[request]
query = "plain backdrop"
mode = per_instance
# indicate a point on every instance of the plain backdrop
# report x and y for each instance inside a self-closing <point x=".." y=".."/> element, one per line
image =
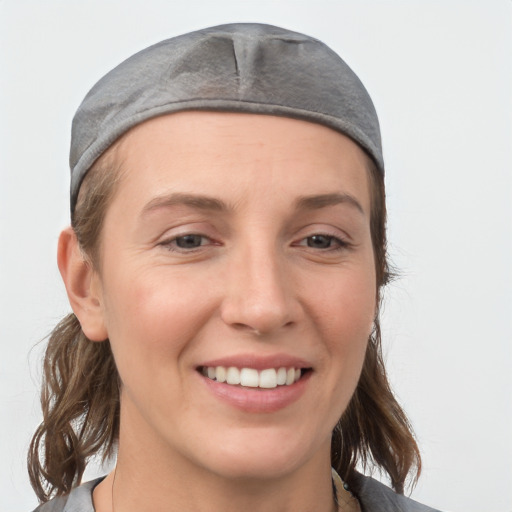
<point x="440" y="74"/>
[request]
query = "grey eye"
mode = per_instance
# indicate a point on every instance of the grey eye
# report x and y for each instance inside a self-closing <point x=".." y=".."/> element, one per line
<point x="189" y="241"/>
<point x="319" y="241"/>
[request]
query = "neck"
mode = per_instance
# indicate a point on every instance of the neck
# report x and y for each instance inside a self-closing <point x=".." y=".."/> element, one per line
<point x="176" y="492"/>
<point x="154" y="475"/>
<point x="152" y="478"/>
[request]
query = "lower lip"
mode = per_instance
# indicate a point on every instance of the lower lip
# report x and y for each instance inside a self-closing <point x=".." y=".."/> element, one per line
<point x="258" y="400"/>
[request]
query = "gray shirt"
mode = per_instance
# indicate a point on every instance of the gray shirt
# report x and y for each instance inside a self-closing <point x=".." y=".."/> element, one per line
<point x="372" y="495"/>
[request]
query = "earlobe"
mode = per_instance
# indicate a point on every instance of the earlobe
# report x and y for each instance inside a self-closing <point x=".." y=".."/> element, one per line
<point x="82" y="286"/>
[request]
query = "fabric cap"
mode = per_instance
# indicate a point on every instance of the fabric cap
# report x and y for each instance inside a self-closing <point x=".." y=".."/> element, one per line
<point x="242" y="67"/>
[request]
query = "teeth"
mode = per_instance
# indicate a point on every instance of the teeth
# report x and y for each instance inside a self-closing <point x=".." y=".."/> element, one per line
<point x="249" y="377"/>
<point x="268" y="379"/>
<point x="233" y="375"/>
<point x="281" y="376"/>
<point x="220" y="374"/>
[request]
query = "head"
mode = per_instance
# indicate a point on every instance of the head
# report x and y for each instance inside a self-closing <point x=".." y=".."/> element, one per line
<point x="259" y="223"/>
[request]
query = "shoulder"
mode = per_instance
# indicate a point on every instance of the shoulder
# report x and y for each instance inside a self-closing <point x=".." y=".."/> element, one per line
<point x="373" y="496"/>
<point x="78" y="500"/>
<point x="376" y="497"/>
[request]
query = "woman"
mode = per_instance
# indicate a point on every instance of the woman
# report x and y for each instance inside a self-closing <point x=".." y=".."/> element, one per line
<point x="224" y="266"/>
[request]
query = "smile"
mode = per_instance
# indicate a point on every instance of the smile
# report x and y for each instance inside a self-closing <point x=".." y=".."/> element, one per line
<point x="268" y="378"/>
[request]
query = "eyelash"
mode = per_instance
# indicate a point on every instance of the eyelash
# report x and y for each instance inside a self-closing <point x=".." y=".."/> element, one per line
<point x="172" y="246"/>
<point x="340" y="243"/>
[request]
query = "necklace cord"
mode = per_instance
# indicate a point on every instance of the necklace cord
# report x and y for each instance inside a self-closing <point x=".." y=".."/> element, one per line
<point x="113" y="482"/>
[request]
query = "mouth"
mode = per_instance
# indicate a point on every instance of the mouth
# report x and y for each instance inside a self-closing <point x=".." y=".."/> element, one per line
<point x="268" y="378"/>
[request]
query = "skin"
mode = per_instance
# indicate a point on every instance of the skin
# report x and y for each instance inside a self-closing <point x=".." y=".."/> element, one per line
<point x="259" y="283"/>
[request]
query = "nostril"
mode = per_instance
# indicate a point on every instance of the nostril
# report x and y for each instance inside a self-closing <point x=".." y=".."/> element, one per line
<point x="258" y="332"/>
<point x="244" y="327"/>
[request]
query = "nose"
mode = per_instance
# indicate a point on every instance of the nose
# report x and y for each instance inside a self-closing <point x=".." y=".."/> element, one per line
<point x="260" y="294"/>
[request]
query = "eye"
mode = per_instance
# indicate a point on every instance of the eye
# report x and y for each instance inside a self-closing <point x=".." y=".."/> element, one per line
<point x="323" y="242"/>
<point x="186" y="243"/>
<point x="189" y="241"/>
<point x="319" y="241"/>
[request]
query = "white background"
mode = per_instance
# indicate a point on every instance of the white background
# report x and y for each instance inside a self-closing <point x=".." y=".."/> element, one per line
<point x="440" y="74"/>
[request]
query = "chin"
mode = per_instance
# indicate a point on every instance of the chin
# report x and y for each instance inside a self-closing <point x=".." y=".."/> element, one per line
<point x="254" y="468"/>
<point x="263" y="455"/>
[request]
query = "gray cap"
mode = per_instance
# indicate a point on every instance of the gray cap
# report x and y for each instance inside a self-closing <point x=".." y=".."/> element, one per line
<point x="243" y="67"/>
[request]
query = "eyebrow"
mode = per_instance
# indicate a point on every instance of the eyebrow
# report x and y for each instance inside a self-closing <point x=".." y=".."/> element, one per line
<point x="208" y="203"/>
<point x="317" y="202"/>
<point x="192" y="200"/>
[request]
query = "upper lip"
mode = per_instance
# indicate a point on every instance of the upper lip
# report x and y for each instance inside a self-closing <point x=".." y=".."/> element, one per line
<point x="258" y="362"/>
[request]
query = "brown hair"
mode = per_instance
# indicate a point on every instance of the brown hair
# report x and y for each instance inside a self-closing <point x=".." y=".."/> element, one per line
<point x="80" y="388"/>
<point x="374" y="429"/>
<point x="80" y="394"/>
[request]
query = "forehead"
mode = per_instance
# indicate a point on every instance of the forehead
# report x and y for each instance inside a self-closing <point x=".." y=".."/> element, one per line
<point x="186" y="124"/>
<point x="205" y="150"/>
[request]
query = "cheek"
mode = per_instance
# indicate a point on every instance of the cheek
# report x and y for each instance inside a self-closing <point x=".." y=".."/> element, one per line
<point x="151" y="319"/>
<point x="346" y="313"/>
<point x="347" y="306"/>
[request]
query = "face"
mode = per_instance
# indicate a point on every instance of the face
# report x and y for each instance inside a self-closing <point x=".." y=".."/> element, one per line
<point x="237" y="247"/>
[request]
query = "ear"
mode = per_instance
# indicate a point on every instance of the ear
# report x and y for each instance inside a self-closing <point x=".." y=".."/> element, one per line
<point x="83" y="286"/>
